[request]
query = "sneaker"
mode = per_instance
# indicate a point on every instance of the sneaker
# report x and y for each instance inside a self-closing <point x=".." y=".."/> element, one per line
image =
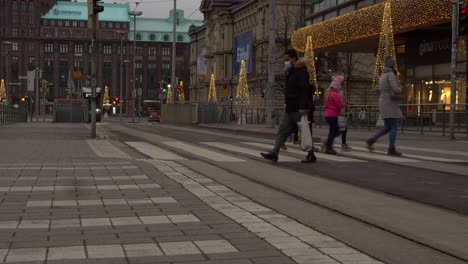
<point x="270" y="156"/>
<point x="310" y="158"/>
<point x="283" y="147"/>
<point x="345" y="148"/>
<point x="330" y="151"/>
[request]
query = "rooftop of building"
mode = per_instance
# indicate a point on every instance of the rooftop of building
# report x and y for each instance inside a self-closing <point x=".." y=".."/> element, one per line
<point x="160" y="29"/>
<point x="64" y="10"/>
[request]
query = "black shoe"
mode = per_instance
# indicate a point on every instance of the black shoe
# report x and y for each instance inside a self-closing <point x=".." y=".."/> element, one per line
<point x="392" y="152"/>
<point x="370" y="144"/>
<point x="310" y="158"/>
<point x="330" y="151"/>
<point x="270" y="156"/>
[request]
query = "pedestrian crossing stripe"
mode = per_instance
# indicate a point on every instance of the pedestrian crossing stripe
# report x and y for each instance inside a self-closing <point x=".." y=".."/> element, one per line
<point x="153" y="151"/>
<point x="319" y="155"/>
<point x="203" y="152"/>
<point x="406" y="155"/>
<point x="247" y="151"/>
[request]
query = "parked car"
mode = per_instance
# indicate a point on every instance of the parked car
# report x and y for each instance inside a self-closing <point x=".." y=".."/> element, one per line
<point x="155" y="116"/>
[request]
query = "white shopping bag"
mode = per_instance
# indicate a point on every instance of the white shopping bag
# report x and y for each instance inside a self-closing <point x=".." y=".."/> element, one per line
<point x="306" y="136"/>
<point x="380" y="122"/>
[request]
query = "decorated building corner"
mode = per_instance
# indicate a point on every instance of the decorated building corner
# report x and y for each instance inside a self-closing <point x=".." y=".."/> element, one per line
<point x="212" y="97"/>
<point x="242" y="93"/>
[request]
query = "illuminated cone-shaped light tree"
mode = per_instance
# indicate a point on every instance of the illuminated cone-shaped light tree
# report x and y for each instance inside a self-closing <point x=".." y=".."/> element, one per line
<point x="105" y="100"/>
<point x="310" y="58"/>
<point x="242" y="93"/>
<point x="212" y="97"/>
<point x="386" y="43"/>
<point x="181" y="93"/>
<point x="3" y="94"/>
<point x="169" y="95"/>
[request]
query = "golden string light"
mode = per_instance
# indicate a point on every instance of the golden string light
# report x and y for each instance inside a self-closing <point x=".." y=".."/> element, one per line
<point x="212" y="97"/>
<point x="169" y="95"/>
<point x="366" y="22"/>
<point x="386" y="44"/>
<point x="182" y="93"/>
<point x="3" y="94"/>
<point x="105" y="99"/>
<point x="310" y="58"/>
<point x="242" y="93"/>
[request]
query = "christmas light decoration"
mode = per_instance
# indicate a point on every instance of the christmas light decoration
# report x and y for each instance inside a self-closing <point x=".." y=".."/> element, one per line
<point x="386" y="44"/>
<point x="105" y="100"/>
<point x="242" y="93"/>
<point x="3" y="94"/>
<point x="366" y="22"/>
<point x="212" y="97"/>
<point x="169" y="95"/>
<point x="181" y="93"/>
<point x="310" y="58"/>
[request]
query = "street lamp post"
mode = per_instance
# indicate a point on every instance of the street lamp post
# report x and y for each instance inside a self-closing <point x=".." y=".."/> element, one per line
<point x="121" y="34"/>
<point x="174" y="46"/>
<point x="134" y="14"/>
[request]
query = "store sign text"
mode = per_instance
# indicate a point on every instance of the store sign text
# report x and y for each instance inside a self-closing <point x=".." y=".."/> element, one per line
<point x="434" y="46"/>
<point x="66" y="12"/>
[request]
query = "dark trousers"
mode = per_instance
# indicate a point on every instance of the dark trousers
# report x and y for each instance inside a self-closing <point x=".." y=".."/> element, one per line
<point x="343" y="136"/>
<point x="287" y="126"/>
<point x="296" y="134"/>
<point x="333" y="131"/>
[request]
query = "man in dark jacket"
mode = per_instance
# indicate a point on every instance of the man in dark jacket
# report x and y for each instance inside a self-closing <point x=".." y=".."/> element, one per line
<point x="298" y="95"/>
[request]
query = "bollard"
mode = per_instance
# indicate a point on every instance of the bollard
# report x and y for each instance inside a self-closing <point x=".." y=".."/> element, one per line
<point x="443" y="120"/>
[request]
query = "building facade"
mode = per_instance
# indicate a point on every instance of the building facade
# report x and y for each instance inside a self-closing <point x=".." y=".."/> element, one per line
<point x="236" y="30"/>
<point x="53" y="36"/>
<point x="422" y="44"/>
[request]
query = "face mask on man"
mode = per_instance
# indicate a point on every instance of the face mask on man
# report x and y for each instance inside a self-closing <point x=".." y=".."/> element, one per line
<point x="288" y="65"/>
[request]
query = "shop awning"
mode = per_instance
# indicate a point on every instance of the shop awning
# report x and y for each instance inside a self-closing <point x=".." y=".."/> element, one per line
<point x="367" y="22"/>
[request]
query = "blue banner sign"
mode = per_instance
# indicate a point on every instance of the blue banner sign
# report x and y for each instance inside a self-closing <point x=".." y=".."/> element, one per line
<point x="243" y="51"/>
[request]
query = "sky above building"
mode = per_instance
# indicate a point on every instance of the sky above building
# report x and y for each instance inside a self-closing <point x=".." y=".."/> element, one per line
<point x="160" y="8"/>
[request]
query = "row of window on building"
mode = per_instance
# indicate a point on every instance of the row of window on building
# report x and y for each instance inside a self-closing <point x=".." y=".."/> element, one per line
<point x="83" y="24"/>
<point x="107" y="49"/>
<point x="24" y="6"/>
<point x="15" y="20"/>
<point x="330" y="4"/>
<point x="152" y="37"/>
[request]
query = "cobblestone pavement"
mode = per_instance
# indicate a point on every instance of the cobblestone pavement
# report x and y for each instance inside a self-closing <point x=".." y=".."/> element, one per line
<point x="80" y="207"/>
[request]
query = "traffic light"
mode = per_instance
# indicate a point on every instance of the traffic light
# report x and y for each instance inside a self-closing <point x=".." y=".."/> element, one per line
<point x="97" y="8"/>
<point x="164" y="90"/>
<point x="231" y="99"/>
<point x="24" y="100"/>
<point x="116" y="99"/>
<point x="463" y="20"/>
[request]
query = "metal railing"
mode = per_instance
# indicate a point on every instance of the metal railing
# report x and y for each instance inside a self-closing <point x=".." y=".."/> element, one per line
<point x="421" y="118"/>
<point x="11" y="115"/>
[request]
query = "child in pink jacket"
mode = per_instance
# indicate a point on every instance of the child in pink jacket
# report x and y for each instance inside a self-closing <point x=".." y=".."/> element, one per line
<point x="333" y="107"/>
